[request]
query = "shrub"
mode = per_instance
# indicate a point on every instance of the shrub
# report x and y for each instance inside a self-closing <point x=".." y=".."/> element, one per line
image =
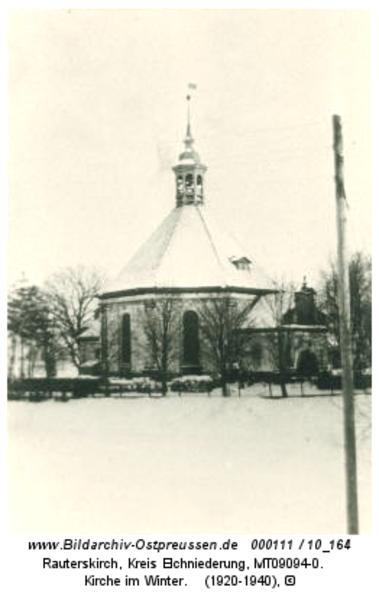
<point x="193" y="383"/>
<point x="332" y="380"/>
<point x="140" y="385"/>
<point x="39" y="388"/>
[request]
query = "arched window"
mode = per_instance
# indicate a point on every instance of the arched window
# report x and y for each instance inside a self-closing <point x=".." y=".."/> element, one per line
<point x="190" y="339"/>
<point x="256" y="352"/>
<point x="179" y="185"/>
<point x="199" y="185"/>
<point x="308" y="363"/>
<point x="126" y="346"/>
<point x="189" y="182"/>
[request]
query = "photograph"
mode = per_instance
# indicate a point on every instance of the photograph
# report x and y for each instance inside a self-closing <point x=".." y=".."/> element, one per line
<point x="189" y="272"/>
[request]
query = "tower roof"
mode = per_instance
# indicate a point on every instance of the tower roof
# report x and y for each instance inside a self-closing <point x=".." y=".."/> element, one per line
<point x="189" y="251"/>
<point x="189" y="156"/>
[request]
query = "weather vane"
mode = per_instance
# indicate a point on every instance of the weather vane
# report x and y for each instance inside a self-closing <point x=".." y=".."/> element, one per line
<point x="191" y="86"/>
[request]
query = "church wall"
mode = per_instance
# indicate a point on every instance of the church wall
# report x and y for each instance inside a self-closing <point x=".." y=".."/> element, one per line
<point x="140" y="356"/>
<point x="89" y="349"/>
<point x="260" y="352"/>
<point x="114" y="314"/>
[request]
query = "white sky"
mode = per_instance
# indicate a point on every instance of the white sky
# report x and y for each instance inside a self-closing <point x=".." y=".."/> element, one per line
<point x="97" y="115"/>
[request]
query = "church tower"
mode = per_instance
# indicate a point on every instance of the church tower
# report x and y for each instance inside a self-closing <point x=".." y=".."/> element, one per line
<point x="189" y="172"/>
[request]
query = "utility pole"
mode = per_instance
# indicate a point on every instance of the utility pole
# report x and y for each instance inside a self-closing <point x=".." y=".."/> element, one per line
<point x="345" y="334"/>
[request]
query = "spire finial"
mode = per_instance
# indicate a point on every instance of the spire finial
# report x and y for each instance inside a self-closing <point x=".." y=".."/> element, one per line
<point x="189" y="138"/>
<point x="188" y="132"/>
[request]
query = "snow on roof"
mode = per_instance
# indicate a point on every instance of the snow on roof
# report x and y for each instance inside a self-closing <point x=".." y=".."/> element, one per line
<point x="188" y="250"/>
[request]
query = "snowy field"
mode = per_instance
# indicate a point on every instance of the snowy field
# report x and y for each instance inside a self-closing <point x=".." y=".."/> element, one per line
<point x="195" y="464"/>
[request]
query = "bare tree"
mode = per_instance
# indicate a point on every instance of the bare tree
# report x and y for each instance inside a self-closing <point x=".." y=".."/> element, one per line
<point x="277" y="305"/>
<point x="109" y="345"/>
<point x="72" y="295"/>
<point x="360" y="306"/>
<point x="161" y="326"/>
<point x="282" y="301"/>
<point x="221" y="320"/>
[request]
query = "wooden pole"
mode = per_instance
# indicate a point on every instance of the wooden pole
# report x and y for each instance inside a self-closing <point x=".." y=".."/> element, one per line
<point x="345" y="334"/>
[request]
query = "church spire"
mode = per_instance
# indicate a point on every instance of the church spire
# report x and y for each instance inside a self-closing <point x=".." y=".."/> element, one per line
<point x="188" y="133"/>
<point x="189" y="171"/>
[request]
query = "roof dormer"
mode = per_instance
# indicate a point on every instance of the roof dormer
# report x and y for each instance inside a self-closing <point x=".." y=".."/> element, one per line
<point x="242" y="263"/>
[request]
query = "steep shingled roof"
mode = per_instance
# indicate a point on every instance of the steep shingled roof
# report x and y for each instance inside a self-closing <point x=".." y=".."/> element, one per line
<point x="189" y="250"/>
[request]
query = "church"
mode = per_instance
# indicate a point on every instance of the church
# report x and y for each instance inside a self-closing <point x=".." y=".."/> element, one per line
<point x="187" y="262"/>
<point x="189" y="259"/>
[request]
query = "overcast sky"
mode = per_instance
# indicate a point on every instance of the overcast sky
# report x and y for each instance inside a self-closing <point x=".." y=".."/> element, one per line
<point x="97" y="116"/>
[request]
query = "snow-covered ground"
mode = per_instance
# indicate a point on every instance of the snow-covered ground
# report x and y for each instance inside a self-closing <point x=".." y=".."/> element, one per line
<point x="193" y="464"/>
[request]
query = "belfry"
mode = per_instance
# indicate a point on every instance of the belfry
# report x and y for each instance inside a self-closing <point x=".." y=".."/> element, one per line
<point x="189" y="171"/>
